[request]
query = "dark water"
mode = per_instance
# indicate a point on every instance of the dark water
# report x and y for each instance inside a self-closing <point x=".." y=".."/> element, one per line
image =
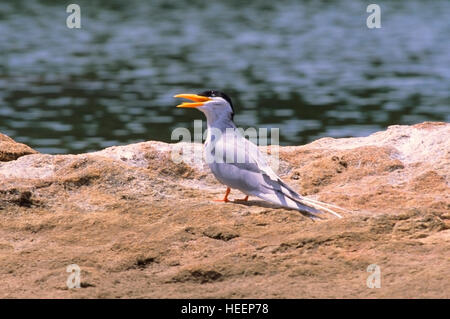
<point x="311" y="68"/>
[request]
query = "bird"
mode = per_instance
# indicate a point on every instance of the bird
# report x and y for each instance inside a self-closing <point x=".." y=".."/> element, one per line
<point x="237" y="163"/>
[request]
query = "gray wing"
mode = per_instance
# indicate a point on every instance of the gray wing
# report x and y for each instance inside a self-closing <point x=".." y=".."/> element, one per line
<point x="252" y="176"/>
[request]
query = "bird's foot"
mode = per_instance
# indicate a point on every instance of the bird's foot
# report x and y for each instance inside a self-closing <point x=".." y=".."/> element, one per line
<point x="225" y="199"/>
<point x="241" y="199"/>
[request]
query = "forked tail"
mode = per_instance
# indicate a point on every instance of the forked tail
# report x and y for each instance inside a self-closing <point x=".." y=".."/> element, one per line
<point x="310" y="208"/>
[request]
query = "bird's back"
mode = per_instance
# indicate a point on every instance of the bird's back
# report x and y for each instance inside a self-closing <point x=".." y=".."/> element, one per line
<point x="237" y="162"/>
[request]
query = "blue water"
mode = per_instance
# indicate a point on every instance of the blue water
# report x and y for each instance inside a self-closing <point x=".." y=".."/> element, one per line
<point x="310" y="68"/>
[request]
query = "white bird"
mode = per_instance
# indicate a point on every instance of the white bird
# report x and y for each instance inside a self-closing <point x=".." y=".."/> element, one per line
<point x="238" y="163"/>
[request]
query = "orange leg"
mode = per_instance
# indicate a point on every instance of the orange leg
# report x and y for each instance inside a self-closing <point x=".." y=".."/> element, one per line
<point x="225" y="199"/>
<point x="242" y="199"/>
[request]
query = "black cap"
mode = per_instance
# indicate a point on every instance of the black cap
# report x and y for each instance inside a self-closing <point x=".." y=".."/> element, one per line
<point x="214" y="93"/>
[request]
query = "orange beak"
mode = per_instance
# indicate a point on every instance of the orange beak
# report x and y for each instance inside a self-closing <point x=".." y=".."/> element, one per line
<point x="198" y="100"/>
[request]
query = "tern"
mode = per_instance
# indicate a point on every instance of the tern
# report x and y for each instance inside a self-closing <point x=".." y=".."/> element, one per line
<point x="237" y="163"/>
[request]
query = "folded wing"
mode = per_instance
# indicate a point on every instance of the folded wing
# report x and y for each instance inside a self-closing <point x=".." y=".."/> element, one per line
<point x="241" y="165"/>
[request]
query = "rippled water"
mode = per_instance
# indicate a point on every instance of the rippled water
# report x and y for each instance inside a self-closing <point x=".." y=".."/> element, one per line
<point x="311" y="68"/>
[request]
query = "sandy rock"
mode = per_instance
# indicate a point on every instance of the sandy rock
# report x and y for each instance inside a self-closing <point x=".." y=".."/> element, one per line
<point x="140" y="225"/>
<point x="11" y="150"/>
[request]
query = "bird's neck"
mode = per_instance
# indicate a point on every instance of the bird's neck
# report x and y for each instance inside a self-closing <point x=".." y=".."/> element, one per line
<point x="219" y="121"/>
<point x="217" y="128"/>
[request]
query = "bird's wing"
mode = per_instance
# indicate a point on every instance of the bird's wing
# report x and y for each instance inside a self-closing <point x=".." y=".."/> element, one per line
<point x="253" y="176"/>
<point x="260" y="159"/>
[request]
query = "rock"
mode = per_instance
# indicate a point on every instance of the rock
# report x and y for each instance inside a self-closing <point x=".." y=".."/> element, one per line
<point x="140" y="225"/>
<point x="11" y="150"/>
<point x="220" y="233"/>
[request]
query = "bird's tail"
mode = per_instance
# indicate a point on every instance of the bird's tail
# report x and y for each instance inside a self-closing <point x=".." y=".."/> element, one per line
<point x="278" y="192"/>
<point x="313" y="201"/>
<point x="310" y="208"/>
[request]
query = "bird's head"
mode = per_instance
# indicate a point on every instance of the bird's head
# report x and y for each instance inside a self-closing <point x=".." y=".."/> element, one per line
<point x="214" y="104"/>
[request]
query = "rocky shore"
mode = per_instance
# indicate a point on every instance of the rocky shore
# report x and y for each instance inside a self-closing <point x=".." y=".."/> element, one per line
<point x="139" y="225"/>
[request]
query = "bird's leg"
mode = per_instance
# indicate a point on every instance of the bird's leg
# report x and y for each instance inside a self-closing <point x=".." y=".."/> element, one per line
<point x="241" y="199"/>
<point x="225" y="199"/>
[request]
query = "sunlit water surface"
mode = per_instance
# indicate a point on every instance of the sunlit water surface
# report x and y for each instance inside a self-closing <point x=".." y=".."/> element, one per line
<point x="310" y="68"/>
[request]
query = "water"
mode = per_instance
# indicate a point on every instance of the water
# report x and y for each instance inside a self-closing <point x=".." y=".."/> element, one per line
<point x="311" y="68"/>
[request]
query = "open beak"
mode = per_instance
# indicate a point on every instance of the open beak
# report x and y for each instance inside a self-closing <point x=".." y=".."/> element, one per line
<point x="198" y="100"/>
